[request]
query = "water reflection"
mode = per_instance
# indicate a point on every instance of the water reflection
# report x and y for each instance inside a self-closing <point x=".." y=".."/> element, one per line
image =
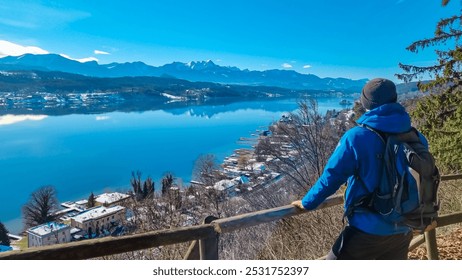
<point x="12" y="119"/>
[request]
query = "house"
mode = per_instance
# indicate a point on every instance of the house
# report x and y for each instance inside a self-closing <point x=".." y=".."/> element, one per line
<point x="48" y="234"/>
<point x="98" y="219"/>
<point x="226" y="186"/>
<point x="79" y="205"/>
<point x="109" y="199"/>
<point x="65" y="214"/>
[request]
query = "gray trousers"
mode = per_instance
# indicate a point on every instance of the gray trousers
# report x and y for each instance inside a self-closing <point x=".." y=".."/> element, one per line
<point x="353" y="244"/>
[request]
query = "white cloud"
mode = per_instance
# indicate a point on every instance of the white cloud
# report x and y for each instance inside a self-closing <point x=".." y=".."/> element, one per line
<point x="82" y="60"/>
<point x="306" y="66"/>
<point x="17" y="23"/>
<point x="286" y="65"/>
<point x="100" y="52"/>
<point x="102" y="118"/>
<point x="12" y="119"/>
<point x="37" y="15"/>
<point x="8" y="48"/>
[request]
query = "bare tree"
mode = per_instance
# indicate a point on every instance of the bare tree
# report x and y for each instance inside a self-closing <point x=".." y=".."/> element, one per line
<point x="205" y="170"/>
<point x="301" y="144"/>
<point x="213" y="201"/>
<point x="40" y="207"/>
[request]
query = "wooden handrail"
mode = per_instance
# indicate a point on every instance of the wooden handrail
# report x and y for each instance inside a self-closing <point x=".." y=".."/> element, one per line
<point x="112" y="245"/>
<point x="116" y="245"/>
<point x="451" y="177"/>
<point x="265" y="216"/>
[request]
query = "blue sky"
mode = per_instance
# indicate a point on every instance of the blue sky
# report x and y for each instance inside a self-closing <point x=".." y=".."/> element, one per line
<point x="328" y="38"/>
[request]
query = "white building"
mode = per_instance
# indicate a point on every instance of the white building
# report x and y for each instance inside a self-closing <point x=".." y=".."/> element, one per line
<point x="48" y="234"/>
<point x="80" y="205"/>
<point x="98" y="219"/>
<point x="108" y="199"/>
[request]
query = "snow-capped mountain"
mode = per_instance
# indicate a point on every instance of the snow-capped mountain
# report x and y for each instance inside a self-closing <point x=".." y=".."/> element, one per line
<point x="205" y="71"/>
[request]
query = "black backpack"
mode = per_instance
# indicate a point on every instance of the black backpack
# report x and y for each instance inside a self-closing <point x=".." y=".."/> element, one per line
<point x="407" y="190"/>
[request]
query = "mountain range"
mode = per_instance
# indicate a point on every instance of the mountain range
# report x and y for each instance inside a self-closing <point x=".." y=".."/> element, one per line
<point x="202" y="71"/>
<point x="56" y="93"/>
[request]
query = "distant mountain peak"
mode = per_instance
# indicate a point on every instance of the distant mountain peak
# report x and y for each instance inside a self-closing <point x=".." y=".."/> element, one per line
<point x="200" y="65"/>
<point x="203" y="71"/>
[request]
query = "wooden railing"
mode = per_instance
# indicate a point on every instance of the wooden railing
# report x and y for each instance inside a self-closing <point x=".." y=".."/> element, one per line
<point x="205" y="237"/>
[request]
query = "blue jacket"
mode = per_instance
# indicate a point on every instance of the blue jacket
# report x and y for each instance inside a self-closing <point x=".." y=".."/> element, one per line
<point x="356" y="156"/>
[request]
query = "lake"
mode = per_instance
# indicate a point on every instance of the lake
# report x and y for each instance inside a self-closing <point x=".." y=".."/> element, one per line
<point x="80" y="154"/>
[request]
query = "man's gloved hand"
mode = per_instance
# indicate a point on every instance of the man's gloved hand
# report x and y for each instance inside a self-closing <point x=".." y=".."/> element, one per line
<point x="298" y="204"/>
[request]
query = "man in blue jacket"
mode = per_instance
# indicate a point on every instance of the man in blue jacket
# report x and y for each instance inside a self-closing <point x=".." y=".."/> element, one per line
<point x="356" y="160"/>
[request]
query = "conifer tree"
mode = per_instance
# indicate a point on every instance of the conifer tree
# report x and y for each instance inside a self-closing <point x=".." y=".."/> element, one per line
<point x="439" y="116"/>
<point x="135" y="181"/>
<point x="167" y="183"/>
<point x="148" y="187"/>
<point x="4" y="239"/>
<point x="91" y="201"/>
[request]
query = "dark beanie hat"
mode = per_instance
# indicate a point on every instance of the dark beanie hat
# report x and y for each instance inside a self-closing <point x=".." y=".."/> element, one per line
<point x="378" y="92"/>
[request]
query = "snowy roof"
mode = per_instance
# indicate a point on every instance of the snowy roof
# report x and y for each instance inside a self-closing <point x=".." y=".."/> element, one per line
<point x="96" y="212"/>
<point x="196" y="183"/>
<point x="47" y="228"/>
<point x="224" y="184"/>
<point x="81" y="202"/>
<point x="79" y="205"/>
<point x="75" y="230"/>
<point x="110" y="198"/>
<point x="68" y="211"/>
<point x="259" y="166"/>
<point x="14" y="237"/>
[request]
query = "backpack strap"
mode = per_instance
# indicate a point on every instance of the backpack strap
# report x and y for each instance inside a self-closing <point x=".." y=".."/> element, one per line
<point x="365" y="202"/>
<point x="382" y="135"/>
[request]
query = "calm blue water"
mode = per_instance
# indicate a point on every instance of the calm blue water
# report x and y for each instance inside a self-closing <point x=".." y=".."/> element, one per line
<point x="79" y="154"/>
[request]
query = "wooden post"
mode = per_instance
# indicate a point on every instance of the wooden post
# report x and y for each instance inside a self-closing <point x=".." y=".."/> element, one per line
<point x="193" y="251"/>
<point x="430" y="241"/>
<point x="416" y="242"/>
<point x="208" y="247"/>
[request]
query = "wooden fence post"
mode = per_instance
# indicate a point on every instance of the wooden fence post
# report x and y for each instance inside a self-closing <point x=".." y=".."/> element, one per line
<point x="430" y="241"/>
<point x="197" y="250"/>
<point x="193" y="251"/>
<point x="208" y="247"/>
